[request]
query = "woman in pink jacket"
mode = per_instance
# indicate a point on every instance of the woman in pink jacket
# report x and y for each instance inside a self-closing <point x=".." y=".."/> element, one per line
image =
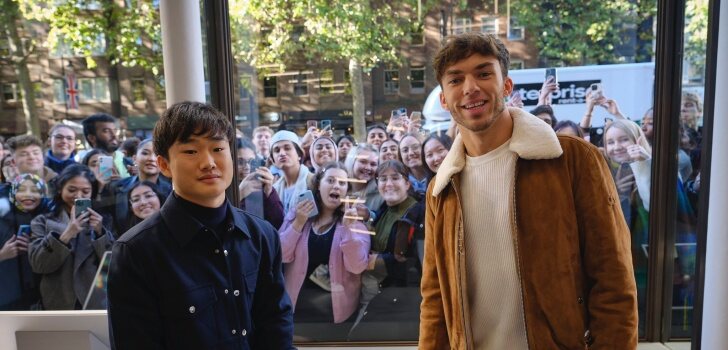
<point x="324" y="256"/>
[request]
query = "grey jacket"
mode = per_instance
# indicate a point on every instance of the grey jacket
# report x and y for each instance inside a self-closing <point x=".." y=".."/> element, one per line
<point x="67" y="271"/>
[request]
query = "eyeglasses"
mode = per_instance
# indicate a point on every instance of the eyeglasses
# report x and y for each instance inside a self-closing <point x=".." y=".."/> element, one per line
<point x="393" y="178"/>
<point x="242" y="161"/>
<point x="60" y="137"/>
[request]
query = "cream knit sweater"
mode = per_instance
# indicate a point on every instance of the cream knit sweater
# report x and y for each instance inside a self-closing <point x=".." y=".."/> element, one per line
<point x="493" y="290"/>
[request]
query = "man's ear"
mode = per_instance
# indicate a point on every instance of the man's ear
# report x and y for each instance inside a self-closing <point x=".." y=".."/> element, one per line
<point x="443" y="103"/>
<point x="164" y="166"/>
<point x="507" y="86"/>
<point x="91" y="140"/>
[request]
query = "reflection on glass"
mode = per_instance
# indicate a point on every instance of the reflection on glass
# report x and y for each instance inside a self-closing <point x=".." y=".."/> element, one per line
<point x="353" y="64"/>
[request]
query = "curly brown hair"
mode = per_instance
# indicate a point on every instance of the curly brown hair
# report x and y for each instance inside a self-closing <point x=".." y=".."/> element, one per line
<point x="462" y="46"/>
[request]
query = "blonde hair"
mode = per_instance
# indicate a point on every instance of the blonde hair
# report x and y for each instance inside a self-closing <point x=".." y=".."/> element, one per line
<point x="632" y="130"/>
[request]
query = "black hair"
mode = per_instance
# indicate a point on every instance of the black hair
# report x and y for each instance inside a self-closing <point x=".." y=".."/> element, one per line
<point x="87" y="157"/>
<point x="89" y="124"/>
<point x="377" y="126"/>
<point x="444" y="140"/>
<point x="316" y="184"/>
<point x="133" y="219"/>
<point x="347" y="137"/>
<point x="569" y="124"/>
<point x="2" y="174"/>
<point x="131" y="145"/>
<point x="68" y="173"/>
<point x="184" y="120"/>
<point x="244" y="143"/>
<point x="545" y="109"/>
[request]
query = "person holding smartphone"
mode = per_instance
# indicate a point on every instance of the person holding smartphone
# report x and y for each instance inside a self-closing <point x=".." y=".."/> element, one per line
<point x="66" y="244"/>
<point x="325" y="255"/>
<point x="19" y="284"/>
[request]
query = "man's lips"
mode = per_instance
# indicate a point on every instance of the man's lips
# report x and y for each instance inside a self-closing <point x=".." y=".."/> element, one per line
<point x="209" y="177"/>
<point x="473" y="105"/>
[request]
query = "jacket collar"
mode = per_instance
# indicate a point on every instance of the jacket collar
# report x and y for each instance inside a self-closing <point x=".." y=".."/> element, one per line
<point x="184" y="227"/>
<point x="531" y="139"/>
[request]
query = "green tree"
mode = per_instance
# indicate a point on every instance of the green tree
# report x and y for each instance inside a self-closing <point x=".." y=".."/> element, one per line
<point x="696" y="33"/>
<point x="576" y="33"/>
<point x="128" y="32"/>
<point x="290" y="33"/>
<point x="20" y="48"/>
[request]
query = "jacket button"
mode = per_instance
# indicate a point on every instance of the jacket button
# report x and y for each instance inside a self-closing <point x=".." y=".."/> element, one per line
<point x="226" y="291"/>
<point x="217" y="251"/>
<point x="580" y="300"/>
<point x="236" y="292"/>
<point x="192" y="309"/>
<point x="244" y="332"/>
<point x="235" y="332"/>
<point x="225" y="252"/>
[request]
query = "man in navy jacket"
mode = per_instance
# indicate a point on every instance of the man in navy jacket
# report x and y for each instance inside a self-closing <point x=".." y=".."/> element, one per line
<point x="200" y="274"/>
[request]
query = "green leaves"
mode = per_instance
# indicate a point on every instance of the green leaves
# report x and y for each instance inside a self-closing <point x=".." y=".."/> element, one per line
<point x="282" y="32"/>
<point x="576" y="33"/>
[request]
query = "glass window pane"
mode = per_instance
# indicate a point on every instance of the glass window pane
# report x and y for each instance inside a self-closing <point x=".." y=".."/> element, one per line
<point x="391" y="81"/>
<point x="690" y="133"/>
<point x="137" y="90"/>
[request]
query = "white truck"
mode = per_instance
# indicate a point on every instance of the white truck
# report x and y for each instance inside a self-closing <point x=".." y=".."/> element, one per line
<point x="631" y="85"/>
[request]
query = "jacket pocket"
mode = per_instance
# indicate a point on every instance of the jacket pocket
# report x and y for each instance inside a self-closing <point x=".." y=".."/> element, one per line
<point x="190" y="318"/>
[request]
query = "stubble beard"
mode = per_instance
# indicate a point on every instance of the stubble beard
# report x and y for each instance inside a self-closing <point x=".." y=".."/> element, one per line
<point x="497" y="111"/>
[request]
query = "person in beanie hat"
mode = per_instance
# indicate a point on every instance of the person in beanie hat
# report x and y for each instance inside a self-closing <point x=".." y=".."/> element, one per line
<point x="287" y="154"/>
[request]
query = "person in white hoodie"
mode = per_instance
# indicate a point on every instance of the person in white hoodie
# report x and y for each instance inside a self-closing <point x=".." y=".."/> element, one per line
<point x="287" y="155"/>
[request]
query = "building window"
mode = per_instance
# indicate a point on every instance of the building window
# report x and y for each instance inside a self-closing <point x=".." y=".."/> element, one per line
<point x="461" y="25"/>
<point x="417" y="80"/>
<point x="418" y="34"/>
<point x="300" y="85"/>
<point x="391" y="81"/>
<point x="160" y="88"/>
<point x="10" y="92"/>
<point x="270" y="87"/>
<point x="515" y="31"/>
<point x="326" y="82"/>
<point x="245" y="85"/>
<point x="59" y="91"/>
<point x="515" y="64"/>
<point x="489" y="25"/>
<point x="137" y="90"/>
<point x="347" y="82"/>
<point x="38" y="90"/>
<point x="94" y="89"/>
<point x="4" y="48"/>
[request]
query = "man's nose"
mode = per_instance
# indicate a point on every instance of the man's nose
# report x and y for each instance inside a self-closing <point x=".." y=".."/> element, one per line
<point x="470" y="85"/>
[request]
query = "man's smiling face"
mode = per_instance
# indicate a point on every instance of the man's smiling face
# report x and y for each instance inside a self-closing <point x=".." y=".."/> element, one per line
<point x="473" y="90"/>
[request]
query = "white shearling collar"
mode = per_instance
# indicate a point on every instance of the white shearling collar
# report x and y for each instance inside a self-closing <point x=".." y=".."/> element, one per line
<point x="531" y="139"/>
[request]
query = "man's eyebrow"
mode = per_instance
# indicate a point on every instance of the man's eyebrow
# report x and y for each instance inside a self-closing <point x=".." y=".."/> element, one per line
<point x="457" y="71"/>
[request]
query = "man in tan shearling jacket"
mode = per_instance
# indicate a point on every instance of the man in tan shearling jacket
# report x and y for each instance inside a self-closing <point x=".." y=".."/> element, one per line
<point x="526" y="246"/>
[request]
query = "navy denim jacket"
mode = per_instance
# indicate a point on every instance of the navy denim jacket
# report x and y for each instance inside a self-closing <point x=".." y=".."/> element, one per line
<point x="173" y="284"/>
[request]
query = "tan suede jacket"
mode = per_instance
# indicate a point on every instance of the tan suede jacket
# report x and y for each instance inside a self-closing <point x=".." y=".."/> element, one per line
<point x="571" y="241"/>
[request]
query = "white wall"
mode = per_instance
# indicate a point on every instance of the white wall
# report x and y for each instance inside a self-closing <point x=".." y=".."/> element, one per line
<point x="715" y="303"/>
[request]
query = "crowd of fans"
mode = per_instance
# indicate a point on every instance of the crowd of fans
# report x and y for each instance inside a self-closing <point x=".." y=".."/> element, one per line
<point x="350" y="215"/>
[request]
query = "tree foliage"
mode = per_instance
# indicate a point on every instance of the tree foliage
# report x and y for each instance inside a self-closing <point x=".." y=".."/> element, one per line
<point x="696" y="33"/>
<point x="130" y="32"/>
<point x="576" y="33"/>
<point x="278" y="34"/>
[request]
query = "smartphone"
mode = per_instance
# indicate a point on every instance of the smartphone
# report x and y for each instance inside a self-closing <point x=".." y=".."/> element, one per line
<point x="596" y="90"/>
<point x="416" y="115"/>
<point x="106" y="163"/>
<point x="325" y="124"/>
<point x="82" y="204"/>
<point x="551" y="72"/>
<point x="311" y="124"/>
<point x="308" y="195"/>
<point x="23" y="230"/>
